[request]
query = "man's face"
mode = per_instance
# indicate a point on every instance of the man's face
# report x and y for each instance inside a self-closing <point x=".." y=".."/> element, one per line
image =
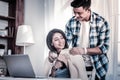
<point x="81" y="14"/>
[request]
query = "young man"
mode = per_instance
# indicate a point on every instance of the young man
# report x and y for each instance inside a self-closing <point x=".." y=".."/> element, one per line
<point x="88" y="33"/>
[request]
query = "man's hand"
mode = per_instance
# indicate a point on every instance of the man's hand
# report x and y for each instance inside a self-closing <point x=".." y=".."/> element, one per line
<point x="77" y="51"/>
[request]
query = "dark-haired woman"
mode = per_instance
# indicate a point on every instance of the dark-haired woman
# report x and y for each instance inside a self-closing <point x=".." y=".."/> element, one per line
<point x="56" y="41"/>
<point x="60" y="63"/>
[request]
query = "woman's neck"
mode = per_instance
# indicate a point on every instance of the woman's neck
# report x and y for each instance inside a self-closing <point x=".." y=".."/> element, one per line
<point x="59" y="50"/>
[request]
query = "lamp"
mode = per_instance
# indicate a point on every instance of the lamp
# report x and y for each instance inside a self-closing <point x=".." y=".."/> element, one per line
<point x="24" y="36"/>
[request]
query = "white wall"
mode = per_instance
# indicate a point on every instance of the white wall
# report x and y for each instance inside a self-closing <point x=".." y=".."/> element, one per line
<point x="34" y="16"/>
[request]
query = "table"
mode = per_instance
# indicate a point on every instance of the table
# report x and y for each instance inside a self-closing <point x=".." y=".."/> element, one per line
<point x="11" y="78"/>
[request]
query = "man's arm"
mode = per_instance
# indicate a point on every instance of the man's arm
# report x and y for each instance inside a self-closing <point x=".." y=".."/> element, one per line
<point x="90" y="51"/>
<point x="101" y="48"/>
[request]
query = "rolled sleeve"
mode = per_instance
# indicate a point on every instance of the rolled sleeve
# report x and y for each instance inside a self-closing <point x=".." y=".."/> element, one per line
<point x="104" y="38"/>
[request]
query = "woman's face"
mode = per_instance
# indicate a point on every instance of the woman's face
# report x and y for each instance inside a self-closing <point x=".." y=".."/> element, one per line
<point x="58" y="41"/>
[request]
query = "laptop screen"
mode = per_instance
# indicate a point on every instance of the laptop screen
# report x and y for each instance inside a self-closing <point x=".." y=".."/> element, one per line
<point x="19" y="66"/>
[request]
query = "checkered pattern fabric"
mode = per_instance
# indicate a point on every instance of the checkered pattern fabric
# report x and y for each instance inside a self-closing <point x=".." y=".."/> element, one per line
<point x="98" y="36"/>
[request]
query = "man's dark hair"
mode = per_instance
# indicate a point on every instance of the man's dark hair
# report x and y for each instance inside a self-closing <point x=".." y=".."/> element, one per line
<point x="81" y="3"/>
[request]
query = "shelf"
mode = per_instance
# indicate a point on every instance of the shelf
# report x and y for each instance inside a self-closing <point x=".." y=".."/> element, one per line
<point x="6" y="18"/>
<point x="5" y="0"/>
<point x="12" y="19"/>
<point x="6" y="37"/>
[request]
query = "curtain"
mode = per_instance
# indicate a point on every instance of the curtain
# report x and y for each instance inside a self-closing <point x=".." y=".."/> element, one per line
<point x="57" y="13"/>
<point x="114" y="36"/>
<point x="62" y="13"/>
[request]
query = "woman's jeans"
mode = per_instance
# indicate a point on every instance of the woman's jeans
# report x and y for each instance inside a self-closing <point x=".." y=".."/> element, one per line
<point x="62" y="73"/>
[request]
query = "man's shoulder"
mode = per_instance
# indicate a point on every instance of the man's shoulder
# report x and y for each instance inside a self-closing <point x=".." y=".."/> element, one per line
<point x="97" y="16"/>
<point x="72" y="21"/>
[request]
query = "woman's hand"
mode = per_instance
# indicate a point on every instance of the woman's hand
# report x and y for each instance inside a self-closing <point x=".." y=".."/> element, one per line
<point x="62" y="58"/>
<point x="57" y="65"/>
<point x="52" y="56"/>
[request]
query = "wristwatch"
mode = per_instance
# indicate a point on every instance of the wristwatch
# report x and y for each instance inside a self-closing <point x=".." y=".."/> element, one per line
<point x="54" y="68"/>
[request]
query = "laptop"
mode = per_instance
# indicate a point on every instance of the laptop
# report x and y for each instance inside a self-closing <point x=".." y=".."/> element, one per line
<point x="19" y="66"/>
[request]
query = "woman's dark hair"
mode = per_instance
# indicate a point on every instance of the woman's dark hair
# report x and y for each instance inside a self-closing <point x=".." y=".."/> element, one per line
<point x="81" y="3"/>
<point x="50" y="37"/>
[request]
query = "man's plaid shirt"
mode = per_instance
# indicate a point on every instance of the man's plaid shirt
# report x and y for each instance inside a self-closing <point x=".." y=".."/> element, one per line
<point x="98" y="36"/>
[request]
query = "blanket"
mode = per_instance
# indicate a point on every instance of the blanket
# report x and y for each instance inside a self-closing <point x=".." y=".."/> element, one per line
<point x="75" y="63"/>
